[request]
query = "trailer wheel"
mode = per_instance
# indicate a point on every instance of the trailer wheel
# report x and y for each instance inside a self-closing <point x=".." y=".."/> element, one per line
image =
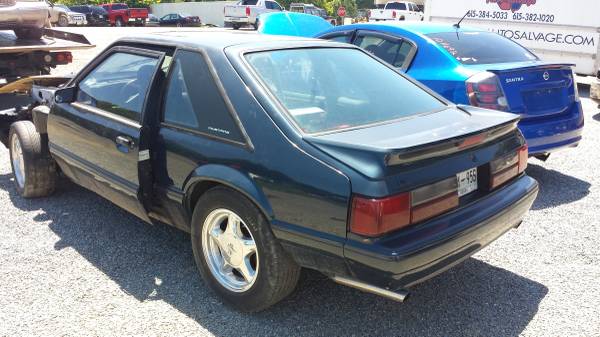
<point x="33" y="168"/>
<point x="29" y="33"/>
<point x="63" y="21"/>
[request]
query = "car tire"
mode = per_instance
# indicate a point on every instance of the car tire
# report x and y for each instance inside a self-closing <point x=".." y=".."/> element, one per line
<point x="275" y="273"/>
<point x="256" y="24"/>
<point x="63" y="21"/>
<point x="119" y="22"/>
<point x="179" y="24"/>
<point x="236" y="26"/>
<point x="34" y="170"/>
<point x="29" y="33"/>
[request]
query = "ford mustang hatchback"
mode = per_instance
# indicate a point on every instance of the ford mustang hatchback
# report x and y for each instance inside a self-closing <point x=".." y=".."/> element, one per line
<point x="278" y="153"/>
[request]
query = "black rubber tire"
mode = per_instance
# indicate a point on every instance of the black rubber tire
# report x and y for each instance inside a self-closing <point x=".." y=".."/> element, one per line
<point x="256" y="24"/>
<point x="278" y="273"/>
<point x="63" y="21"/>
<point x="29" y="33"/>
<point x="236" y="26"/>
<point x="39" y="167"/>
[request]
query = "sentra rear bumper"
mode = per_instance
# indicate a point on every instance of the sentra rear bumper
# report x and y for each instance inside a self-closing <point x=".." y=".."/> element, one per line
<point x="416" y="254"/>
<point x="549" y="134"/>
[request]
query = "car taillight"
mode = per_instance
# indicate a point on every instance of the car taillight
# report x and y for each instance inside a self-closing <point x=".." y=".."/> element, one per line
<point x="59" y="58"/>
<point x="484" y="90"/>
<point x="247" y="11"/>
<point x="394" y="14"/>
<point x="505" y="168"/>
<point x="575" y="88"/>
<point x="374" y="217"/>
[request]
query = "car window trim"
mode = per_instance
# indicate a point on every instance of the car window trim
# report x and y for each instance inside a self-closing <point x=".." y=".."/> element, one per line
<point x="350" y="32"/>
<point x="104" y="56"/>
<point x="394" y="38"/>
<point x="247" y="143"/>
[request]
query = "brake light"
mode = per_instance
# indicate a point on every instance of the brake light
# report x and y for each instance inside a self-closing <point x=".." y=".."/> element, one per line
<point x="62" y="57"/>
<point x="394" y="14"/>
<point x="247" y="11"/>
<point x="505" y="168"/>
<point x="484" y="90"/>
<point x="374" y="217"/>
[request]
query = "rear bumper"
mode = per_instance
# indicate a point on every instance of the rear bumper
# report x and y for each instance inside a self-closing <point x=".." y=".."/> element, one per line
<point x="417" y="254"/>
<point x="549" y="134"/>
<point x="235" y="19"/>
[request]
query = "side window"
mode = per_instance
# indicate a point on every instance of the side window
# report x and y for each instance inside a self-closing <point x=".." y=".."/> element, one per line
<point x="268" y="5"/>
<point x="193" y="100"/>
<point x="119" y="84"/>
<point x="392" y="52"/>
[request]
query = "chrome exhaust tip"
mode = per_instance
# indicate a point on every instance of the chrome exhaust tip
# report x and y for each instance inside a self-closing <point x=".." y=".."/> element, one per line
<point x="398" y="296"/>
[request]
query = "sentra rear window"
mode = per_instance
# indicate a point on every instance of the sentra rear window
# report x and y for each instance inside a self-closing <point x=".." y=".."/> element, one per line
<point x="325" y="89"/>
<point x="481" y="47"/>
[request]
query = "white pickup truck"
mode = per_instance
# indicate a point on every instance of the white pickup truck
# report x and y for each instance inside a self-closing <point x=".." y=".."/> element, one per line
<point x="246" y="12"/>
<point x="397" y="11"/>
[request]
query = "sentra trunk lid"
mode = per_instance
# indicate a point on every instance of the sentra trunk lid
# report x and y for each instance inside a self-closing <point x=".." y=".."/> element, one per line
<point x="535" y="89"/>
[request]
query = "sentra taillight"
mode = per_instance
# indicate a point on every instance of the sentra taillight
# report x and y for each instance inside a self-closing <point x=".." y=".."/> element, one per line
<point x="374" y="217"/>
<point x="505" y="168"/>
<point x="484" y="90"/>
<point x="247" y="11"/>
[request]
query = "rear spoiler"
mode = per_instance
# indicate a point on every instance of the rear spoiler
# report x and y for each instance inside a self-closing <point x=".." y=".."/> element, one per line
<point x="534" y="67"/>
<point x="447" y="147"/>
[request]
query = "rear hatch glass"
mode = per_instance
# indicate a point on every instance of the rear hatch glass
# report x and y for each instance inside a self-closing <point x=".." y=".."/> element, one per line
<point x="327" y="89"/>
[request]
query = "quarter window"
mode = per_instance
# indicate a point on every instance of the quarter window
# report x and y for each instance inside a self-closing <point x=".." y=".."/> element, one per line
<point x="392" y="52"/>
<point x="119" y="84"/>
<point x="194" y="101"/>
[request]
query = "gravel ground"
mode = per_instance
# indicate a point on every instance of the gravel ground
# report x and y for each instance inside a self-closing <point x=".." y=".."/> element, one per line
<point x="74" y="264"/>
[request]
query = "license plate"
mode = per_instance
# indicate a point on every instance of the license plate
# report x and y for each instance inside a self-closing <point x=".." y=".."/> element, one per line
<point x="467" y="181"/>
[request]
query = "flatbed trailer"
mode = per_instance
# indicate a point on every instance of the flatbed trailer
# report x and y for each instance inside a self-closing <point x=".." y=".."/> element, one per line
<point x="24" y="66"/>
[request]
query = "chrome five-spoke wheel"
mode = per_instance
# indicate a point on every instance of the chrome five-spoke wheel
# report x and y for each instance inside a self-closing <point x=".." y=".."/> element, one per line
<point x="230" y="250"/>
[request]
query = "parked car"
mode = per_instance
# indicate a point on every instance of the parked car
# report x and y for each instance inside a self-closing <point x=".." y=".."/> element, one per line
<point x="62" y="16"/>
<point x="397" y="11"/>
<point x="95" y="15"/>
<point x="281" y="160"/>
<point x="310" y="9"/>
<point x="246" y="12"/>
<point x="119" y="14"/>
<point x="26" y="18"/>
<point x="179" y="20"/>
<point x="459" y="64"/>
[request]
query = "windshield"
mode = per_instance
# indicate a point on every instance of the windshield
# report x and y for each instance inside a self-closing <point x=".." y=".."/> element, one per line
<point x="481" y="47"/>
<point x="325" y="89"/>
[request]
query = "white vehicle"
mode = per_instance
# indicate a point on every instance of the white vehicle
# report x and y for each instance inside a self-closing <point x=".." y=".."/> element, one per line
<point x="245" y="12"/>
<point x="397" y="11"/>
<point x="62" y="16"/>
<point x="555" y="30"/>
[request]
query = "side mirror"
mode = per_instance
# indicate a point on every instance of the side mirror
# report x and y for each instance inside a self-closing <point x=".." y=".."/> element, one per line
<point x="65" y="95"/>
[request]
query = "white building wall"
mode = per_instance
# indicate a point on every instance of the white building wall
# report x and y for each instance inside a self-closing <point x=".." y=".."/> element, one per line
<point x="208" y="12"/>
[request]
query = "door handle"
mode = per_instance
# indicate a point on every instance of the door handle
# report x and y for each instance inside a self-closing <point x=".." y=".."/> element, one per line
<point x="125" y="141"/>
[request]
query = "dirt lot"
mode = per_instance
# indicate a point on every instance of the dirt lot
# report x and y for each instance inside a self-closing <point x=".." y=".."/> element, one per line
<point x="74" y="264"/>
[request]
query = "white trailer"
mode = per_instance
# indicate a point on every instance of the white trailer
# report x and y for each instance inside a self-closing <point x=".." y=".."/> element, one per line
<point x="556" y="30"/>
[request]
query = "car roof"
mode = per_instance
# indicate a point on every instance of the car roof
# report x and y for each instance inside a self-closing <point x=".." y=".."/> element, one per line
<point x="220" y="40"/>
<point x="418" y="27"/>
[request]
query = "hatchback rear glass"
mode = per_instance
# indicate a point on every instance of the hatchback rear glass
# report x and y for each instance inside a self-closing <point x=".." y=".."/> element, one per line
<point x="327" y="89"/>
<point x="248" y="2"/>
<point x="481" y="47"/>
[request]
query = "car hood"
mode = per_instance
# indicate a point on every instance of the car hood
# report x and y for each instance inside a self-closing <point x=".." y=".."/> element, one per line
<point x="371" y="149"/>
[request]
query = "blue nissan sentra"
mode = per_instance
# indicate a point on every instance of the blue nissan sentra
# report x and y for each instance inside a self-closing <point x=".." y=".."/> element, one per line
<point x="466" y="66"/>
<point x="480" y="68"/>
